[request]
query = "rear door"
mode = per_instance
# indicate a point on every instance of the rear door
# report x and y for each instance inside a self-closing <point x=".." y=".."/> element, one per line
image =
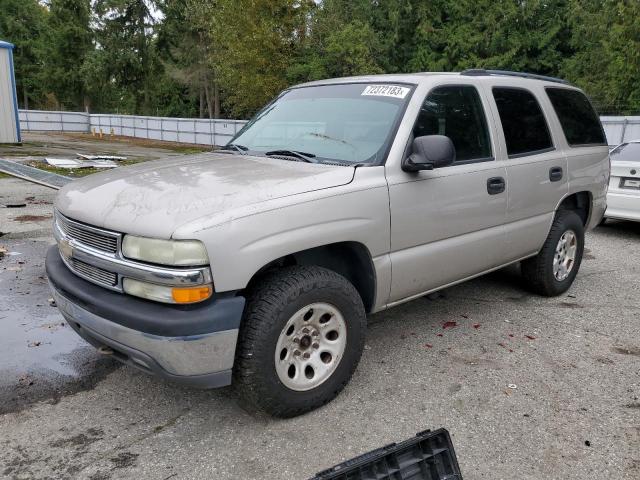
<point x="536" y="166"/>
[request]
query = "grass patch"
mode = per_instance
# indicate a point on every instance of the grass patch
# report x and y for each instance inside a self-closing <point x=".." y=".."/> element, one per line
<point x="67" y="172"/>
<point x="78" y="172"/>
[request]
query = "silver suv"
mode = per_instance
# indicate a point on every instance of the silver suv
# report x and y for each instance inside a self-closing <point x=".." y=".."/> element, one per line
<point x="259" y="263"/>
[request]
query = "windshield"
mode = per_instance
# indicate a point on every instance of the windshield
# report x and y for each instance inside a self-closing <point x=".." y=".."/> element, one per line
<point x="629" y="152"/>
<point x="346" y="123"/>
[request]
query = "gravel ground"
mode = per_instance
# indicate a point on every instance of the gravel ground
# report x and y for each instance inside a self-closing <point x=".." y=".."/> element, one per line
<point x="447" y="361"/>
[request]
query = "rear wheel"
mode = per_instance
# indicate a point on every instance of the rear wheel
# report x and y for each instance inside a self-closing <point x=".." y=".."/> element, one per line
<point x="553" y="270"/>
<point x="301" y="338"/>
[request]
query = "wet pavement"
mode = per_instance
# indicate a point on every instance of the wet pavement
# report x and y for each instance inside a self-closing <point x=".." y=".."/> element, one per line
<point x="41" y="357"/>
<point x="530" y="388"/>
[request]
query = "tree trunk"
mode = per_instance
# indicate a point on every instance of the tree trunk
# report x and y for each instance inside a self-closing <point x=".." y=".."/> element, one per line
<point x="216" y="100"/>
<point x="25" y="99"/>
<point x="207" y="90"/>
<point x="201" y="102"/>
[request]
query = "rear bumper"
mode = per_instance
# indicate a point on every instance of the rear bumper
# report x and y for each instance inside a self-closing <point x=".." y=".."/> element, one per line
<point x="622" y="206"/>
<point x="192" y="346"/>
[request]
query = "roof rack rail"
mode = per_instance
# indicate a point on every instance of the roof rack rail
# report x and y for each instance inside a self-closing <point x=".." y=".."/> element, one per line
<point x="481" y="71"/>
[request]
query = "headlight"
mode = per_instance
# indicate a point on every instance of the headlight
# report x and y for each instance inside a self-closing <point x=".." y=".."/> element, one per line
<point x="162" y="293"/>
<point x="165" y="252"/>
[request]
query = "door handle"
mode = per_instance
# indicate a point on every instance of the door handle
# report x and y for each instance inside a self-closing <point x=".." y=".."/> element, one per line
<point x="555" y="174"/>
<point x="496" y="185"/>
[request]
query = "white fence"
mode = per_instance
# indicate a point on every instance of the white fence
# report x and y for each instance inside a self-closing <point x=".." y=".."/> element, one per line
<point x="43" y="121"/>
<point x="183" y="130"/>
<point x="211" y="132"/>
<point x="621" y="129"/>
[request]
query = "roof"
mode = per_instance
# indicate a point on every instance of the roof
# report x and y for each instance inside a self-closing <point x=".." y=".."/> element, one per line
<point x="481" y="72"/>
<point x="416" y="78"/>
<point x="4" y="44"/>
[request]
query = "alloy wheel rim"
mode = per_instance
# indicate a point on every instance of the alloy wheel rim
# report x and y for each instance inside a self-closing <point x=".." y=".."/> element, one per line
<point x="310" y="346"/>
<point x="565" y="256"/>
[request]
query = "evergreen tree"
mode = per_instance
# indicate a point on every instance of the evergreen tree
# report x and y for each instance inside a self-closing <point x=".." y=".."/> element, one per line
<point x="69" y="40"/>
<point x="22" y="23"/>
<point x="187" y="48"/>
<point x="606" y="37"/>
<point x="125" y="39"/>
<point x="229" y="57"/>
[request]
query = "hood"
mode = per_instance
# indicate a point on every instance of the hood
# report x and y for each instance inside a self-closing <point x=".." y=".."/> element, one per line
<point x="154" y="198"/>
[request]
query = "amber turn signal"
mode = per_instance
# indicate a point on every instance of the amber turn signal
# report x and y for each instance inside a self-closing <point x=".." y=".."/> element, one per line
<point x="191" y="295"/>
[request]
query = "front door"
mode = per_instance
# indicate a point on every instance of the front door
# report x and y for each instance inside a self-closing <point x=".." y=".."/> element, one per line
<point x="447" y="224"/>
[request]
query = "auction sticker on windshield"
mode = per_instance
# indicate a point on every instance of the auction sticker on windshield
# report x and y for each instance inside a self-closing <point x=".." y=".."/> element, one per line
<point x="386" y="91"/>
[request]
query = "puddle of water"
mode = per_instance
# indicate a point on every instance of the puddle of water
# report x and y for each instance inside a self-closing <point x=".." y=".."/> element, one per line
<point x="34" y="345"/>
<point x="41" y="357"/>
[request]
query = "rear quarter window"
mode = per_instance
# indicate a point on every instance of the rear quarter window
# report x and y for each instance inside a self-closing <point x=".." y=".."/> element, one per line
<point x="579" y="121"/>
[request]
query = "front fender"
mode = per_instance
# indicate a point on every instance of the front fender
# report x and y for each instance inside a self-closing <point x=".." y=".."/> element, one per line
<point x="241" y="245"/>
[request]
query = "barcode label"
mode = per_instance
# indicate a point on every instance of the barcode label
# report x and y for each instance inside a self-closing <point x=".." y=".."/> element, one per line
<point x="386" y="91"/>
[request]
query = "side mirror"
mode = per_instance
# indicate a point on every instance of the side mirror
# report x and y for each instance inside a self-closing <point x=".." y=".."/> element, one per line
<point x="429" y="152"/>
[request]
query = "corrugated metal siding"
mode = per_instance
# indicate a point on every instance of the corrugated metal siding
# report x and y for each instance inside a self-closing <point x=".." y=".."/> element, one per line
<point x="8" y="127"/>
<point x="621" y="129"/>
<point x="183" y="130"/>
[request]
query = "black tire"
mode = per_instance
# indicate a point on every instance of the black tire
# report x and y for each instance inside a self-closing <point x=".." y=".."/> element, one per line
<point x="270" y="305"/>
<point x="538" y="271"/>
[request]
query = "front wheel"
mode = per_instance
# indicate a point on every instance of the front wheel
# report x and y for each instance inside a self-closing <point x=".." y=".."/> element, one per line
<point x="301" y="338"/>
<point x="552" y="271"/>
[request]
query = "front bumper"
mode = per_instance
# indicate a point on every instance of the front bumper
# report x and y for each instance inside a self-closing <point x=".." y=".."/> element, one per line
<point x="623" y="207"/>
<point x="192" y="345"/>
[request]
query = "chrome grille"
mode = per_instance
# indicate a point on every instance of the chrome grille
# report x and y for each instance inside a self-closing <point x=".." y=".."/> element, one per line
<point x="94" y="274"/>
<point x="88" y="236"/>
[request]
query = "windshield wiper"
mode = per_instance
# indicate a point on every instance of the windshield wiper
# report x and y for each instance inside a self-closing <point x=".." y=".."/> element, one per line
<point x="304" y="156"/>
<point x="235" y="147"/>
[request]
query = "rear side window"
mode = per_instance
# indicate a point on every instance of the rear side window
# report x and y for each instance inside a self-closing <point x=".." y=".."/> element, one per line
<point x="456" y="111"/>
<point x="525" y="128"/>
<point x="579" y="121"/>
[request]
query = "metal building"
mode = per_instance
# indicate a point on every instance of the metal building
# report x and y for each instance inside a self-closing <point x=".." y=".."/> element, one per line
<point x="9" y="122"/>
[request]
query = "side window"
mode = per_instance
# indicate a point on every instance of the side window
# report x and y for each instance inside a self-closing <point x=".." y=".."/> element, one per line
<point x="525" y="128"/>
<point x="456" y="112"/>
<point x="580" y="124"/>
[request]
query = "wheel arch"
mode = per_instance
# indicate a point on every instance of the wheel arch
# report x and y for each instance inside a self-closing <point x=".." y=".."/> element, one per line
<point x="350" y="259"/>
<point x="579" y="202"/>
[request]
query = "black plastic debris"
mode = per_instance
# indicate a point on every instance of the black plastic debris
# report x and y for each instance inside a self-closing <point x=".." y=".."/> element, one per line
<point x="427" y="456"/>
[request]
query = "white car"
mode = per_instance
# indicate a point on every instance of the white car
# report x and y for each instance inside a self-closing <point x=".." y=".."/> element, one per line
<point x="623" y="197"/>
